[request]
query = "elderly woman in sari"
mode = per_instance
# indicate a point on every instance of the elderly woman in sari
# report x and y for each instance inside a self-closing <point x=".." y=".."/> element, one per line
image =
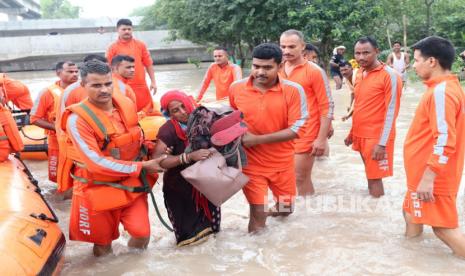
<point x="193" y="217"/>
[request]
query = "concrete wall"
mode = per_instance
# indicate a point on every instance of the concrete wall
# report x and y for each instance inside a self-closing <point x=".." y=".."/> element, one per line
<point x="61" y="26"/>
<point x="42" y="52"/>
<point x="47" y="62"/>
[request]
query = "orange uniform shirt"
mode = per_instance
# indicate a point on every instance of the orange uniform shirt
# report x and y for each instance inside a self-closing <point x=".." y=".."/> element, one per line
<point x="73" y="94"/>
<point x="44" y="105"/>
<point x="222" y="77"/>
<point x="281" y="107"/>
<point x="138" y="50"/>
<point x="83" y="137"/>
<point x="377" y="102"/>
<point x="16" y="92"/>
<point x="436" y="138"/>
<point x="319" y="99"/>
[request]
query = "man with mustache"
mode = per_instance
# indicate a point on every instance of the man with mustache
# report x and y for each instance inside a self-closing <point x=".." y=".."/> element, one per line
<point x="377" y="91"/>
<point x="43" y="113"/>
<point x="274" y="111"/>
<point x="108" y="170"/>
<point x="314" y="142"/>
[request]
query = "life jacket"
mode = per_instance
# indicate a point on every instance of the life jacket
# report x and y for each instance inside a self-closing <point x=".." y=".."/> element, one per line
<point x="67" y="153"/>
<point x="9" y="130"/>
<point x="105" y="192"/>
<point x="56" y="92"/>
<point x="119" y="87"/>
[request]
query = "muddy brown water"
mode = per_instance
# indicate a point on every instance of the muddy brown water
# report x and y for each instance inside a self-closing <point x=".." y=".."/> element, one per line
<point x="340" y="230"/>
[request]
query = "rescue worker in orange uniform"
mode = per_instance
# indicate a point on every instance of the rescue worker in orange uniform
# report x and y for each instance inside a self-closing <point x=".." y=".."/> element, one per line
<point x="16" y="92"/>
<point x="123" y="69"/>
<point x="319" y="103"/>
<point x="127" y="45"/>
<point x="274" y="111"/>
<point x="44" y="110"/>
<point x="108" y="174"/>
<point x="377" y="100"/>
<point x="73" y="94"/>
<point x="222" y="72"/>
<point x="434" y="148"/>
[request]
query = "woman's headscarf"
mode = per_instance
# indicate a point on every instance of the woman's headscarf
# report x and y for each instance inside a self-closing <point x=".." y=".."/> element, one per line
<point x="187" y="101"/>
<point x="176" y="95"/>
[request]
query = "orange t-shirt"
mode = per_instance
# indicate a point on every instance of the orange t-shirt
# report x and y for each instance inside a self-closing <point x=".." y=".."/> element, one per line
<point x="222" y="78"/>
<point x="16" y="92"/>
<point x="377" y="102"/>
<point x="436" y="138"/>
<point x="281" y="107"/>
<point x="138" y="50"/>
<point x="319" y="99"/>
<point x="44" y="105"/>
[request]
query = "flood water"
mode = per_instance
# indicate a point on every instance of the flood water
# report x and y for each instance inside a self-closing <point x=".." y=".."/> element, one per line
<point x="339" y="230"/>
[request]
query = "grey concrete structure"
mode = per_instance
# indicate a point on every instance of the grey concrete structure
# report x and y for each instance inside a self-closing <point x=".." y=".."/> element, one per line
<point x="60" y="26"/>
<point x="27" y="9"/>
<point x="28" y="53"/>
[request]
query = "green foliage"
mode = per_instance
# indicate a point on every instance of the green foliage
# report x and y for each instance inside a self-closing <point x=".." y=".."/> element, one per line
<point x="240" y="25"/>
<point x="56" y="9"/>
<point x="194" y="61"/>
<point x="337" y="22"/>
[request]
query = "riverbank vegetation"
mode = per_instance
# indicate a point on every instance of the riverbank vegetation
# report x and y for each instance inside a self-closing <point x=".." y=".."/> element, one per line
<point x="241" y="24"/>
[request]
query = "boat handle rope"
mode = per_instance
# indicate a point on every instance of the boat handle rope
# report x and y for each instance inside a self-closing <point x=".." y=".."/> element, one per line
<point x="34" y="182"/>
<point x="33" y="139"/>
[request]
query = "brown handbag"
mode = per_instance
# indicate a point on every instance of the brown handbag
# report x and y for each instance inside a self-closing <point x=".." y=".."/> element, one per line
<point x="214" y="179"/>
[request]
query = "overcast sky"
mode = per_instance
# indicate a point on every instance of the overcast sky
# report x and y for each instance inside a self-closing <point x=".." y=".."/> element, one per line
<point x="109" y="8"/>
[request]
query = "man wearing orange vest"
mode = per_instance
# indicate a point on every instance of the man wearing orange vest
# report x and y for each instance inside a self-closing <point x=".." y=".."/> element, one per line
<point x="44" y="110"/>
<point x="434" y="148"/>
<point x="123" y="70"/>
<point x="16" y="92"/>
<point x="377" y="100"/>
<point x="73" y="94"/>
<point x="127" y="45"/>
<point x="109" y="177"/>
<point x="314" y="141"/>
<point x="222" y="72"/>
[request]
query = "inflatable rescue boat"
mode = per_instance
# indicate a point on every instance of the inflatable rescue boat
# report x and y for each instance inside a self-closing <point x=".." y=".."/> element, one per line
<point x="31" y="242"/>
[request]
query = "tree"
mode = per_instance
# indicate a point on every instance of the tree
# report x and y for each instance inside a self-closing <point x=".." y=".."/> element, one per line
<point x="428" y="4"/>
<point x="56" y="9"/>
<point x="335" y="22"/>
<point x="242" y="24"/>
<point x="238" y="25"/>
